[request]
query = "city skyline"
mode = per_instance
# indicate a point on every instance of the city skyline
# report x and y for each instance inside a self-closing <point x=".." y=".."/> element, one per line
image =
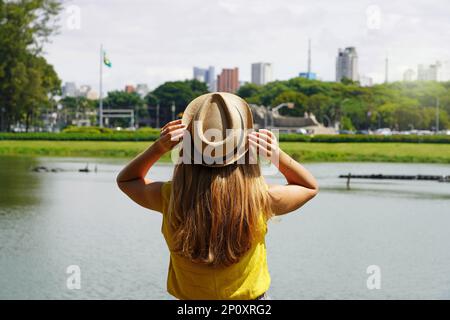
<point x="141" y="51"/>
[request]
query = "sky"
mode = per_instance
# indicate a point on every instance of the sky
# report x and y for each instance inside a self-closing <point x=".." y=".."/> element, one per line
<point x="153" y="41"/>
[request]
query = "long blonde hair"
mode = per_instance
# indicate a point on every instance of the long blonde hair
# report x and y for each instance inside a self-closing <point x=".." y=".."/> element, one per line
<point x="215" y="212"/>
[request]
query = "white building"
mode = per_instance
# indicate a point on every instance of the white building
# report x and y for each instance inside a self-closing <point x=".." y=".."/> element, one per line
<point x="207" y="76"/>
<point x="347" y="64"/>
<point x="428" y="73"/>
<point x="409" y="75"/>
<point x="142" y="89"/>
<point x="261" y="73"/>
<point x="365" y="81"/>
<point x="69" y="89"/>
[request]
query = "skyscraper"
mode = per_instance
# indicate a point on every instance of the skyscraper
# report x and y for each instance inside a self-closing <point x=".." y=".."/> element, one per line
<point x="429" y="73"/>
<point x="347" y="64"/>
<point x="261" y="73"/>
<point x="228" y="80"/>
<point x="69" y="89"/>
<point x="207" y="76"/>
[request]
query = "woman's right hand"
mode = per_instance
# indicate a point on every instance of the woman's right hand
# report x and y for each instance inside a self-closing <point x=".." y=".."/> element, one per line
<point x="171" y="135"/>
<point x="266" y="144"/>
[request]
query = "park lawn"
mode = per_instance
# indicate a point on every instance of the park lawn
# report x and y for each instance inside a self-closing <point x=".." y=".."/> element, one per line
<point x="368" y="152"/>
<point x="302" y="151"/>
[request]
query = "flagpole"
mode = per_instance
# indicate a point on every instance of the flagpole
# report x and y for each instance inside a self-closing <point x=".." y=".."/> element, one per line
<point x="101" y="88"/>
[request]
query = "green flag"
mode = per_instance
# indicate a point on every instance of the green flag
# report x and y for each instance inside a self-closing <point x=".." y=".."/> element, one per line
<point x="106" y="60"/>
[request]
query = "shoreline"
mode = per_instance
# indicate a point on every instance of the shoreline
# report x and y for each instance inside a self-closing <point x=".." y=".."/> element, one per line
<point x="302" y="151"/>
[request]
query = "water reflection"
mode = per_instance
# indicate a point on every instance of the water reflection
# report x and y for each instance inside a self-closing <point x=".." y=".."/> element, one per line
<point x="18" y="183"/>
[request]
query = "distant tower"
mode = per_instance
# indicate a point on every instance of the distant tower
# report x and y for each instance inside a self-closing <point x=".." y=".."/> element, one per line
<point x="309" y="56"/>
<point x="386" y="70"/>
<point x="308" y="74"/>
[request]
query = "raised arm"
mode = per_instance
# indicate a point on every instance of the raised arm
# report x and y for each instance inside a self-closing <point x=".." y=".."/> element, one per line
<point x="131" y="180"/>
<point x="301" y="185"/>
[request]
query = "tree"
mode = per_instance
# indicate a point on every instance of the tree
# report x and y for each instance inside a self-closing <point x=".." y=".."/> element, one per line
<point x="299" y="100"/>
<point x="249" y="90"/>
<point x="125" y="100"/>
<point x="179" y="93"/>
<point x="122" y="100"/>
<point x="320" y="105"/>
<point x="27" y="82"/>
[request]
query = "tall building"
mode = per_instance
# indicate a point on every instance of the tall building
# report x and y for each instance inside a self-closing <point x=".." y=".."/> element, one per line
<point x="409" y="75"/>
<point x="129" y="88"/>
<point x="69" y="89"/>
<point x="84" y="90"/>
<point x="429" y="73"/>
<point x="207" y="76"/>
<point x="142" y="89"/>
<point x="347" y="64"/>
<point x="261" y="73"/>
<point x="228" y="80"/>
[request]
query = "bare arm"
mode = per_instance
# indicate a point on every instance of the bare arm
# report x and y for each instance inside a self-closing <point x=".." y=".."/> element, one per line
<point x="301" y="185"/>
<point x="131" y="180"/>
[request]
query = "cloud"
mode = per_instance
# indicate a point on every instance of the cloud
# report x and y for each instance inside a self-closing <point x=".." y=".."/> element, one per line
<point x="160" y="40"/>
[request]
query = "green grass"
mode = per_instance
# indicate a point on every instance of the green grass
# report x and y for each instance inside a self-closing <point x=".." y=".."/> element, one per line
<point x="368" y="152"/>
<point x="302" y="151"/>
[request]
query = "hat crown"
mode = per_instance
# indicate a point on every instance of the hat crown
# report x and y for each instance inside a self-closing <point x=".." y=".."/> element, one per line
<point x="220" y="121"/>
<point x="216" y="114"/>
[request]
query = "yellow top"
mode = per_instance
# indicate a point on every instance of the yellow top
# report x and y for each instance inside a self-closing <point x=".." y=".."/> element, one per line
<point x="247" y="279"/>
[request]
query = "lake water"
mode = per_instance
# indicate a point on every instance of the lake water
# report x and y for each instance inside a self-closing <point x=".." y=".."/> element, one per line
<point x="52" y="220"/>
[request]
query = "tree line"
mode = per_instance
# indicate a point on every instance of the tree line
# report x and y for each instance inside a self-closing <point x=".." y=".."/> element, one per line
<point x="397" y="105"/>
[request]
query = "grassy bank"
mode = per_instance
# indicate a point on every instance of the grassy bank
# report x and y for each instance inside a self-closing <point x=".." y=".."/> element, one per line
<point x="302" y="151"/>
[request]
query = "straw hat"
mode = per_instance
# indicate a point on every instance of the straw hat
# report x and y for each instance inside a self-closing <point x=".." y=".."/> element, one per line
<point x="218" y="123"/>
